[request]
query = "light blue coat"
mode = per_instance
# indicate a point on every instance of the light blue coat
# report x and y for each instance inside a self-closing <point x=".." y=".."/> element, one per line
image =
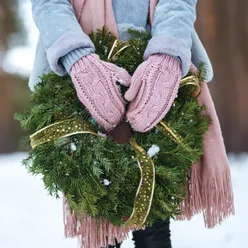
<point x="62" y="41"/>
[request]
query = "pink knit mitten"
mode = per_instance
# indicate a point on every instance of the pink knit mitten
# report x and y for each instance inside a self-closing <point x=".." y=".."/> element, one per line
<point x="153" y="89"/>
<point x="95" y="83"/>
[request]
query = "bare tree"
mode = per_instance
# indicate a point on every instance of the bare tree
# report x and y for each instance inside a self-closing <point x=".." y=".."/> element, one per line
<point x="223" y="27"/>
<point x="10" y="25"/>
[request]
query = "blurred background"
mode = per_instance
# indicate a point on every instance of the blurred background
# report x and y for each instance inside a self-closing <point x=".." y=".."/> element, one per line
<point x="223" y="28"/>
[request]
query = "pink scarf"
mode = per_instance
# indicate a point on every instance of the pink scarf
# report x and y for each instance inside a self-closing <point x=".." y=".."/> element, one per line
<point x="210" y="189"/>
<point x="94" y="14"/>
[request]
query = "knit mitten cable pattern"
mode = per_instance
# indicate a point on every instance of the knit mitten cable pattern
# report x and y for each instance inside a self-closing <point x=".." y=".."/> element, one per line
<point x="153" y="89"/>
<point x="95" y="83"/>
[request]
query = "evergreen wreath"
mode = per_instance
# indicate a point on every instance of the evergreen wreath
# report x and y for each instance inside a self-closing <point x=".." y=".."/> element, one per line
<point x="99" y="176"/>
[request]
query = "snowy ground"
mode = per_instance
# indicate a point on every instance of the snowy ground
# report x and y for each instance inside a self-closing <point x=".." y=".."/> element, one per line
<point x="30" y="218"/>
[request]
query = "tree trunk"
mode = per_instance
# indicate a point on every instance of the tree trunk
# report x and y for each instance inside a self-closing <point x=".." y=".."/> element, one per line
<point x="222" y="26"/>
<point x="6" y="115"/>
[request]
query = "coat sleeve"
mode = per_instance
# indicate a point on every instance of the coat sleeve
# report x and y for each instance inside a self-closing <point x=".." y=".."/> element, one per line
<point x="62" y="36"/>
<point x="172" y="30"/>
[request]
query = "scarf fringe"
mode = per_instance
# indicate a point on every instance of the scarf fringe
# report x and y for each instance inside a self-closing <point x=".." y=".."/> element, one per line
<point x="192" y="203"/>
<point x="217" y="196"/>
<point x="92" y="233"/>
<point x="211" y="195"/>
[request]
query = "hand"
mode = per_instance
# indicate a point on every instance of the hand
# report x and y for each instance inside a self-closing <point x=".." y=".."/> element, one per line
<point x="153" y="89"/>
<point x="95" y="83"/>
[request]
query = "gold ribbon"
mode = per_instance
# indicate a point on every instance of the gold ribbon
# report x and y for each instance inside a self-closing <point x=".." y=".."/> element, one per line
<point x="192" y="80"/>
<point x="60" y="130"/>
<point x="123" y="46"/>
<point x="144" y="195"/>
<point x="170" y="132"/>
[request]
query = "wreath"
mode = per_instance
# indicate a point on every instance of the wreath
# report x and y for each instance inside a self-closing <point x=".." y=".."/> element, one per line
<point x="131" y="184"/>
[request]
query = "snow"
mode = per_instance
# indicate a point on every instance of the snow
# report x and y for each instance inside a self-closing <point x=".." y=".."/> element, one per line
<point x="106" y="182"/>
<point x="153" y="150"/>
<point x="31" y="218"/>
<point x="73" y="147"/>
<point x="101" y="134"/>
